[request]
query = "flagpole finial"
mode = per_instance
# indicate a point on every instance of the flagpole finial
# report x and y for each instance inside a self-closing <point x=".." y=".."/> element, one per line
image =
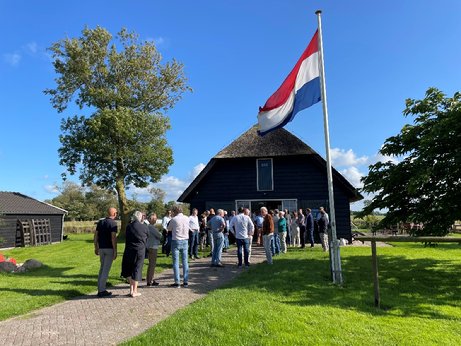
<point x="318" y="12"/>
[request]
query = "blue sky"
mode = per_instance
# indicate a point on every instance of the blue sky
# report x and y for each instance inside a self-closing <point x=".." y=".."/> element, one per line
<point x="236" y="54"/>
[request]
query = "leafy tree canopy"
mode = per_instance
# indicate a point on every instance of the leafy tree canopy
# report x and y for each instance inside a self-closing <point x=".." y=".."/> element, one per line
<point x="425" y="185"/>
<point x="128" y="90"/>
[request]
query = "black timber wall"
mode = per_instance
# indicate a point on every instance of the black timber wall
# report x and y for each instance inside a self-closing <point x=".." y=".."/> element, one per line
<point x="300" y="177"/>
<point x="8" y="227"/>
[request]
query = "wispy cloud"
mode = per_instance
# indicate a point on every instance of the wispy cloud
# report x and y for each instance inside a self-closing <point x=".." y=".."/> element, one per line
<point x="12" y="59"/>
<point x="31" y="48"/>
<point x="51" y="188"/>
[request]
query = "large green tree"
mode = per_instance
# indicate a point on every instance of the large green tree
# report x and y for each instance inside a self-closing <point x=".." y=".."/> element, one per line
<point x="72" y="199"/>
<point x="425" y="184"/>
<point x="127" y="91"/>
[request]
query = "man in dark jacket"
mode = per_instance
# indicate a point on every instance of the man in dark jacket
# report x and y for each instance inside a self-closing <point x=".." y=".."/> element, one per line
<point x="323" y="229"/>
<point x="309" y="227"/>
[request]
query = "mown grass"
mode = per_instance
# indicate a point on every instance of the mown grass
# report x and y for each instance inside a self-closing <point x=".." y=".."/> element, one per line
<point x="294" y="303"/>
<point x="70" y="270"/>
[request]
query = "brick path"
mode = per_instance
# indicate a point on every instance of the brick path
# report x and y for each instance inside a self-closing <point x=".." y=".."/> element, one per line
<point x="88" y="320"/>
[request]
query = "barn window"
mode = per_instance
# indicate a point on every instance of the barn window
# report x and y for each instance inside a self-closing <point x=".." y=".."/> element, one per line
<point x="265" y="179"/>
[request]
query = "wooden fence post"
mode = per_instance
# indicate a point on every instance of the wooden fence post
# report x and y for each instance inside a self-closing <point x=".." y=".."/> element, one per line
<point x="374" y="260"/>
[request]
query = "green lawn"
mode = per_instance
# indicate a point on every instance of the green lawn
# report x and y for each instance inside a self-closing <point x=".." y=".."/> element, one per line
<point x="70" y="270"/>
<point x="293" y="302"/>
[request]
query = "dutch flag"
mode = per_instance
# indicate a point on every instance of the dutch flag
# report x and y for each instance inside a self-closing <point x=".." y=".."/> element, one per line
<point x="300" y="90"/>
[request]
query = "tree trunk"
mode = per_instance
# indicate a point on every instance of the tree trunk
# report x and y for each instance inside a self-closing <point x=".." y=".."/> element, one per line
<point x="124" y="212"/>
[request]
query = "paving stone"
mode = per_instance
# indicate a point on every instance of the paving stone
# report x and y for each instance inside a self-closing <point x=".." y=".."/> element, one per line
<point x="89" y="320"/>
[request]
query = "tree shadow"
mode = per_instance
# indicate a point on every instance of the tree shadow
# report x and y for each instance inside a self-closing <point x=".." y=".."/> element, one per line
<point x="409" y="287"/>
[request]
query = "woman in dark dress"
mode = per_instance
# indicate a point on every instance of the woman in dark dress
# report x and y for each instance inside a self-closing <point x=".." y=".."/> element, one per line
<point x="135" y="248"/>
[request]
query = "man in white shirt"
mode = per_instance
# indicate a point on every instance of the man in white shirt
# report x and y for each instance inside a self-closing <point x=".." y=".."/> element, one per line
<point x="179" y="228"/>
<point x="242" y="227"/>
<point x="194" y="234"/>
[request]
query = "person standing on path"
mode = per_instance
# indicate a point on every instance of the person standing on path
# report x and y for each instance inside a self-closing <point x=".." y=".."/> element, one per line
<point x="268" y="233"/>
<point x="135" y="252"/>
<point x="105" y="246"/>
<point x="166" y="248"/>
<point x="301" y="221"/>
<point x="153" y="242"/>
<point x="217" y="225"/>
<point x="242" y="227"/>
<point x="309" y="227"/>
<point x="323" y="229"/>
<point x="295" y="230"/>
<point x="282" y="227"/>
<point x="179" y="228"/>
<point x="194" y="234"/>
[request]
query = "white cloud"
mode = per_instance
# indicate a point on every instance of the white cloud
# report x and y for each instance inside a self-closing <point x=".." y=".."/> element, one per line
<point x="353" y="175"/>
<point x="196" y="171"/>
<point x="172" y="186"/>
<point x="51" y="188"/>
<point x="12" y="59"/>
<point x="341" y="158"/>
<point x="384" y="158"/>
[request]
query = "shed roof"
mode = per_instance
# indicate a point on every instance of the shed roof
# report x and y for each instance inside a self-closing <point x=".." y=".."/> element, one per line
<point x="17" y="203"/>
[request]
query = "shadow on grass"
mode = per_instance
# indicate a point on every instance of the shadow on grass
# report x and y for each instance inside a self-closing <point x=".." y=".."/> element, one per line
<point x="66" y="294"/>
<point x="409" y="287"/>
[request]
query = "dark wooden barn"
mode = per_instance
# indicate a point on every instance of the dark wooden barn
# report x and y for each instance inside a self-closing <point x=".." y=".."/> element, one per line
<point x="277" y="171"/>
<point x="25" y="221"/>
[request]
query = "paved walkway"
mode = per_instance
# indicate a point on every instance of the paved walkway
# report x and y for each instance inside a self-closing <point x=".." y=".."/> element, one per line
<point x="88" y="320"/>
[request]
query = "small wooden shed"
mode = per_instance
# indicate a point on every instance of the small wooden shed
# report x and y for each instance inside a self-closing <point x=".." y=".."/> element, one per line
<point x="25" y="221"/>
<point x="277" y="170"/>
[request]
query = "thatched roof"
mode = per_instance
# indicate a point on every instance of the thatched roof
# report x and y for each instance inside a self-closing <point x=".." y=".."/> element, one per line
<point x="279" y="142"/>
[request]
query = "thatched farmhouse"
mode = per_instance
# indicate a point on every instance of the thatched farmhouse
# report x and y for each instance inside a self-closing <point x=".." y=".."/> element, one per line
<point x="25" y="221"/>
<point x="277" y="170"/>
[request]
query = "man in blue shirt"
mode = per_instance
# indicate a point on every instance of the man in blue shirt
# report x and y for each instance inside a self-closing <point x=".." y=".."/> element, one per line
<point x="217" y="225"/>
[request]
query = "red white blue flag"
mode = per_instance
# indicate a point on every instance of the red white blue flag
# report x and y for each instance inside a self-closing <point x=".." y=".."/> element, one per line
<point x="300" y="90"/>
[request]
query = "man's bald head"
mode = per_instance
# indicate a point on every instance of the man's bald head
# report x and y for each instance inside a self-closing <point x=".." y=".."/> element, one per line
<point x="112" y="212"/>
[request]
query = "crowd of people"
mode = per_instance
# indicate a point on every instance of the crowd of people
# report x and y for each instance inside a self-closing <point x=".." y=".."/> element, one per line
<point x="182" y="236"/>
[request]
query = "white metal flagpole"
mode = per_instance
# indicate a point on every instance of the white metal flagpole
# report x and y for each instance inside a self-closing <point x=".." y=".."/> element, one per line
<point x="335" y="257"/>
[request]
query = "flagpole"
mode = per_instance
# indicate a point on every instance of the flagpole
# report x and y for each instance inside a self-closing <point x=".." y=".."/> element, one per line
<point x="335" y="257"/>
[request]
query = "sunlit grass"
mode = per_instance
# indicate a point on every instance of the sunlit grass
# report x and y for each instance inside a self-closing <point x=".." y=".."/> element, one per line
<point x="294" y="303"/>
<point x="70" y="269"/>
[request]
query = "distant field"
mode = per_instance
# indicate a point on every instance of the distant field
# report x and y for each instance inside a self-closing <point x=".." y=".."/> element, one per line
<point x="81" y="226"/>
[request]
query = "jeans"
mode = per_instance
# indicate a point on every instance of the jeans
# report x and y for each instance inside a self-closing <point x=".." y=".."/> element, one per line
<point x="226" y="241"/>
<point x="180" y="246"/>
<point x="106" y="257"/>
<point x="218" y="242"/>
<point x="194" y="239"/>
<point x="267" y="239"/>
<point x="210" y="240"/>
<point x="275" y="244"/>
<point x="243" y="244"/>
